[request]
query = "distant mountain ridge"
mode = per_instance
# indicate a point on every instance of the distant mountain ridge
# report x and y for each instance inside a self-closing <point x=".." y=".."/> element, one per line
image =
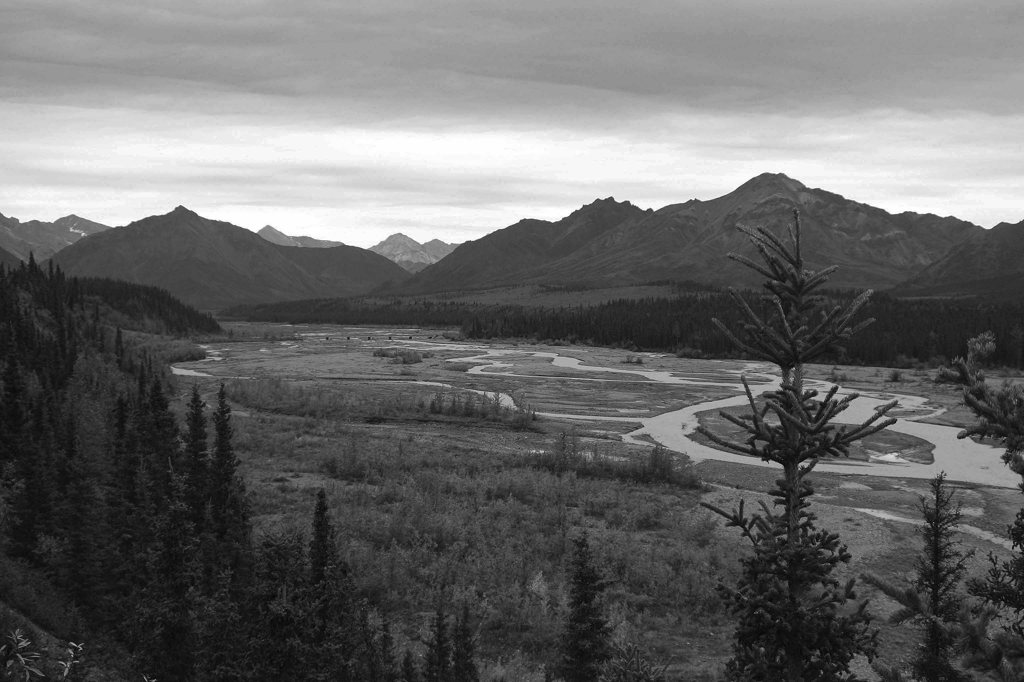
<point x="43" y="239"/>
<point x="612" y="243"/>
<point x="605" y="244"/>
<point x="275" y="236"/>
<point x="213" y="265"/>
<point x="988" y="264"/>
<point x="410" y="254"/>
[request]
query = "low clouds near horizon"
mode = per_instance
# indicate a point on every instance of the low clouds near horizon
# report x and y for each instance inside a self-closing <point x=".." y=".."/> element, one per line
<point x="353" y="120"/>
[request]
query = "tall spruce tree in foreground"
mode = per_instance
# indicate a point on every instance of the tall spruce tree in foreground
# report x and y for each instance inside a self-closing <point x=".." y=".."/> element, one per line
<point x="585" y="643"/>
<point x="794" y="620"/>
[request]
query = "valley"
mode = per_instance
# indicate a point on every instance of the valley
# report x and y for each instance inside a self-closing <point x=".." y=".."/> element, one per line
<point x="440" y="477"/>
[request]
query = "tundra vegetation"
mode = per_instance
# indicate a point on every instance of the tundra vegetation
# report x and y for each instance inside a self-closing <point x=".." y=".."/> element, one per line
<point x="189" y="528"/>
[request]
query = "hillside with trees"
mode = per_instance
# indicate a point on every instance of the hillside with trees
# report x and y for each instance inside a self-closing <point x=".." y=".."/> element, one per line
<point x="127" y="529"/>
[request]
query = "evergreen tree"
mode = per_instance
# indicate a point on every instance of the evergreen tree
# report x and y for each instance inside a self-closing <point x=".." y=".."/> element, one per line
<point x="934" y="599"/>
<point x="12" y="413"/>
<point x="164" y="627"/>
<point x="1000" y="415"/>
<point x="230" y="513"/>
<point x="119" y="348"/>
<point x="323" y="552"/>
<point x="197" y="464"/>
<point x="585" y="643"/>
<point x="939" y="572"/>
<point x="790" y="607"/>
<point x="226" y="524"/>
<point x="463" y="650"/>
<point x="158" y="440"/>
<point x="280" y="640"/>
<point x="437" y="666"/>
<point x="384" y="647"/>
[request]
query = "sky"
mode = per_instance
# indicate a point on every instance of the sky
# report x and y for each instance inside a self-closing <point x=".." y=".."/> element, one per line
<point x="449" y="119"/>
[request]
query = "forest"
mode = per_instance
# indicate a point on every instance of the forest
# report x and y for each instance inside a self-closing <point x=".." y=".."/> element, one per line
<point x="905" y="332"/>
<point x="130" y="532"/>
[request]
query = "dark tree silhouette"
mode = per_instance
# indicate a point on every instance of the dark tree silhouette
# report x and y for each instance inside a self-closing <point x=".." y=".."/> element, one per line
<point x="197" y="464"/>
<point x="934" y="600"/>
<point x="437" y="666"/>
<point x="1000" y="416"/>
<point x="792" y="624"/>
<point x="323" y="551"/>
<point x="463" y="650"/>
<point x="940" y="571"/>
<point x="585" y="643"/>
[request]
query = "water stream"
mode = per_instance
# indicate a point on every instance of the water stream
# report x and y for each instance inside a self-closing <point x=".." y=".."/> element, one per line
<point x="962" y="460"/>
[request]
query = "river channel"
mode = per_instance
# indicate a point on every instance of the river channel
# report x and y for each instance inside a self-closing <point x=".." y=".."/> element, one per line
<point x="962" y="459"/>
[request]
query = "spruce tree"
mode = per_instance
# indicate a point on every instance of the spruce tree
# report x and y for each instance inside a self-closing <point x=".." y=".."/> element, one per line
<point x="940" y="570"/>
<point x="585" y="642"/>
<point x="791" y="609"/>
<point x="934" y="600"/>
<point x="463" y="650"/>
<point x="223" y="483"/>
<point x="228" y="509"/>
<point x="163" y="619"/>
<point x="323" y="552"/>
<point x="1000" y="416"/>
<point x="437" y="666"/>
<point x="197" y="464"/>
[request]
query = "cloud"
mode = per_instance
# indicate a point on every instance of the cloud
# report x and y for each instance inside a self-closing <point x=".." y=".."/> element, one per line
<point x="466" y="116"/>
<point x="493" y="60"/>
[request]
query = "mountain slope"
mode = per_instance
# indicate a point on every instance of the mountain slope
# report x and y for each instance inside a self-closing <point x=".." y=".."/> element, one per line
<point x="213" y="264"/>
<point x="523" y="251"/>
<point x="409" y="253"/>
<point x="8" y="259"/>
<point x="275" y="236"/>
<point x="691" y="241"/>
<point x="988" y="264"/>
<point x="613" y="244"/>
<point x="44" y="239"/>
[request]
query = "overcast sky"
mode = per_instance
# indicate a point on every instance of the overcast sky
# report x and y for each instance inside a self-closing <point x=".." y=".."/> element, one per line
<point x="452" y="118"/>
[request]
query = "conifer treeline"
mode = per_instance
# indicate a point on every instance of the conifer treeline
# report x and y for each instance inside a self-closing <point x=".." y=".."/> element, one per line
<point x="904" y="330"/>
<point x="128" y="531"/>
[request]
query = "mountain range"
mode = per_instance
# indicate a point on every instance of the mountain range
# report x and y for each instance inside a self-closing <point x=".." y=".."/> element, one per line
<point x="398" y="248"/>
<point x="410" y="254"/>
<point x="43" y="239"/>
<point x="606" y="243"/>
<point x="213" y="265"/>
<point x="612" y="243"/>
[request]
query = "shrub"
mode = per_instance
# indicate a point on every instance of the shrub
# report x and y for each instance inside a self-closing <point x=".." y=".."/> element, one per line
<point x="401" y="356"/>
<point x="657" y="465"/>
